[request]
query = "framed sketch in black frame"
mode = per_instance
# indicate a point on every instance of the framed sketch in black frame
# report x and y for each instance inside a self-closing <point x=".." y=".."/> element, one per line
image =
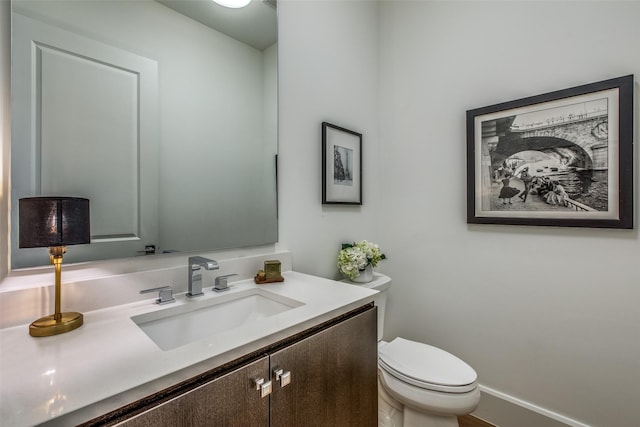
<point x="341" y="165"/>
<point x="563" y="158"/>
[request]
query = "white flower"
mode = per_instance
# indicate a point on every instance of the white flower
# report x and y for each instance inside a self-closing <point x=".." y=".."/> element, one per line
<point x="354" y="257"/>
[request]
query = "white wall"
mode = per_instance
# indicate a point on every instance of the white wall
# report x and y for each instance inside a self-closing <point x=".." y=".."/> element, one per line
<point x="547" y="316"/>
<point x="327" y="72"/>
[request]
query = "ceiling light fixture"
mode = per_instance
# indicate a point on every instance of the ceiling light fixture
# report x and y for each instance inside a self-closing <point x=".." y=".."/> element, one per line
<point x="235" y="4"/>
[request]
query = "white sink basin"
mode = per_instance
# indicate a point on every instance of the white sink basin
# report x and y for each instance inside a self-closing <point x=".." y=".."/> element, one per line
<point x="177" y="326"/>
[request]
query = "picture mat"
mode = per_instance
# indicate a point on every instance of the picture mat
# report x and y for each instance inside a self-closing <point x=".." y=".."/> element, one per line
<point x="612" y="99"/>
<point x="338" y="192"/>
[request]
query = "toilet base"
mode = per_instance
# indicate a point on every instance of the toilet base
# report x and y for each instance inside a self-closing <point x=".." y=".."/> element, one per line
<point x="420" y="419"/>
<point x="389" y="415"/>
<point x="393" y="413"/>
<point x="389" y="410"/>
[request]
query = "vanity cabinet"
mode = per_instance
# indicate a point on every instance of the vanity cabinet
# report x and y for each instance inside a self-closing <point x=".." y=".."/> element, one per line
<point x="325" y="376"/>
<point x="226" y="401"/>
<point x="333" y="377"/>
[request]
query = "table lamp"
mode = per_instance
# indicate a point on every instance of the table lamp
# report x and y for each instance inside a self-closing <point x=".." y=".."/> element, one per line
<point x="54" y="222"/>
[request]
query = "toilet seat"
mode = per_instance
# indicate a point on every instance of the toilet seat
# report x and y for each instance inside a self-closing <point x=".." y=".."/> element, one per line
<point x="426" y="367"/>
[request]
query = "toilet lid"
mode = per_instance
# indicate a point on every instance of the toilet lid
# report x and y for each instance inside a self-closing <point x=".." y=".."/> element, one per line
<point x="426" y="366"/>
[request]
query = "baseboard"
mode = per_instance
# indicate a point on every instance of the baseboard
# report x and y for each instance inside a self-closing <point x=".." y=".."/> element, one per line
<point x="503" y="410"/>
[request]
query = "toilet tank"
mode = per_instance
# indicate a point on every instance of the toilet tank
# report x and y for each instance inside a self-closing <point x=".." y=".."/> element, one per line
<point x="380" y="283"/>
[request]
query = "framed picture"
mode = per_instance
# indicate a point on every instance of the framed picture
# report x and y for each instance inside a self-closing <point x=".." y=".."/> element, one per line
<point x="341" y="165"/>
<point x="563" y="158"/>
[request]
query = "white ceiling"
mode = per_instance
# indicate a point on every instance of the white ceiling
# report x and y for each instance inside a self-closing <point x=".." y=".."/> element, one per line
<point x="255" y="24"/>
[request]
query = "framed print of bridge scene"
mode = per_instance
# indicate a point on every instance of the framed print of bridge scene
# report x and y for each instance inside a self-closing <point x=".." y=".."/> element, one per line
<point x="563" y="158"/>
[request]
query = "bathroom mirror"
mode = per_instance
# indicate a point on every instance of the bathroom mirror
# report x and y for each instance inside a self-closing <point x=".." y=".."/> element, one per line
<point x="167" y="125"/>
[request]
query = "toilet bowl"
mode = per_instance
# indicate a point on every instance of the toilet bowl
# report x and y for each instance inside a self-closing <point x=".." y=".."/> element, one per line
<point x="419" y="385"/>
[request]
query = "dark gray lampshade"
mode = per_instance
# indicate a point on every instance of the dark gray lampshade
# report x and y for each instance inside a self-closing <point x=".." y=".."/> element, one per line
<point x="53" y="221"/>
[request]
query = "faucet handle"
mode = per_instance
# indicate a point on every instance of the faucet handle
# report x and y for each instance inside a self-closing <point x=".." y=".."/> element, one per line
<point x="165" y="294"/>
<point x="221" y="283"/>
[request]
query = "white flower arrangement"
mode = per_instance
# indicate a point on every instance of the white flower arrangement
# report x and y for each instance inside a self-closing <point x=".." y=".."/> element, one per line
<point x="355" y="257"/>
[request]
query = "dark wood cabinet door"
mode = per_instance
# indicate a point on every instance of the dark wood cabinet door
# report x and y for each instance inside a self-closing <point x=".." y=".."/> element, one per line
<point x="333" y="377"/>
<point x="231" y="400"/>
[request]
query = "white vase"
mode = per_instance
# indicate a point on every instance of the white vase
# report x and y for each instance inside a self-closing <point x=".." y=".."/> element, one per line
<point x="365" y="275"/>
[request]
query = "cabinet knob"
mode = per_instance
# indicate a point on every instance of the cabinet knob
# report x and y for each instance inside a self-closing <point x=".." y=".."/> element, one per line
<point x="263" y="387"/>
<point x="283" y="377"/>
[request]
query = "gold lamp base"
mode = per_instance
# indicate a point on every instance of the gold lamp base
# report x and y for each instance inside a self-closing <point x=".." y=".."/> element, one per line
<point x="49" y="325"/>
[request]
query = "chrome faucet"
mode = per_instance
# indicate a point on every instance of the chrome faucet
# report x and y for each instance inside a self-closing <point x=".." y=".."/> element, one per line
<point x="195" y="274"/>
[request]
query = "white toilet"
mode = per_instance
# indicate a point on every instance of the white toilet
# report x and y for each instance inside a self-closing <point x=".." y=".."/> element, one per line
<point x="419" y="385"/>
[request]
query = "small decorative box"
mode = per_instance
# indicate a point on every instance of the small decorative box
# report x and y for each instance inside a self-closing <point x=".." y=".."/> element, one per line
<point x="272" y="269"/>
<point x="271" y="273"/>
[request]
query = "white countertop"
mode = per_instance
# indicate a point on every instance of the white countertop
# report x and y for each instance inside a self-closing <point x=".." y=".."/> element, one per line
<point x="110" y="361"/>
